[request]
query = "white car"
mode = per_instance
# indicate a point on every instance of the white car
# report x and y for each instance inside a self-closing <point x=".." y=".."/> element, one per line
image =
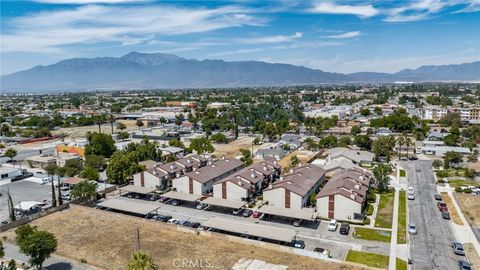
<point x="411" y="196"/>
<point x="173" y="221"/>
<point x="332" y="226"/>
<point x="411" y="190"/>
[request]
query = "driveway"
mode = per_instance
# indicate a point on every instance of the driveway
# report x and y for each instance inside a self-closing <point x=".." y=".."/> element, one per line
<point x="430" y="248"/>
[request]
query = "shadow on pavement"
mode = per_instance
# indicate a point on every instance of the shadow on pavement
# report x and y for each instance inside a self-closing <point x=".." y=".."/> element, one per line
<point x="59" y="266"/>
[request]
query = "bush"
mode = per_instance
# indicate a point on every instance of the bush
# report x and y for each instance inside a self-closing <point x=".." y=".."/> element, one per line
<point x="467" y="190"/>
<point x="441" y="181"/>
<point x="369" y="210"/>
<point x="82" y="260"/>
<point x="371" y="198"/>
<point x="458" y="189"/>
<point x="366" y="221"/>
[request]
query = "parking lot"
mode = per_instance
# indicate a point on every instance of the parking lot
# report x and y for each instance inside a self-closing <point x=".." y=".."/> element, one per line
<point x="430" y="248"/>
<point x="314" y="234"/>
<point x="20" y="191"/>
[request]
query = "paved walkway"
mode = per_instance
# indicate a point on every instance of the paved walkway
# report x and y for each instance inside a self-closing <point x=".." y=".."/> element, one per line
<point x="52" y="263"/>
<point x="393" y="243"/>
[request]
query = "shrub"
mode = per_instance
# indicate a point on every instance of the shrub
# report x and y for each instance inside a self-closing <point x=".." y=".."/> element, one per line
<point x="371" y="198"/>
<point x="467" y="190"/>
<point x="366" y="221"/>
<point x="82" y="260"/>
<point x="459" y="189"/>
<point x="369" y="210"/>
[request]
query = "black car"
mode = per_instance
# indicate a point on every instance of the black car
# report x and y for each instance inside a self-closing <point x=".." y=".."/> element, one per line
<point x="194" y="225"/>
<point x="344" y="228"/>
<point x="247" y="213"/>
<point x="184" y="223"/>
<point x="445" y="215"/>
<point x="463" y="265"/>
<point x="298" y="244"/>
<point x="437" y="197"/>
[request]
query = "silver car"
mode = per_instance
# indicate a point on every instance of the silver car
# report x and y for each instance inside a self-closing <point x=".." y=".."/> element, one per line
<point x="412" y="228"/>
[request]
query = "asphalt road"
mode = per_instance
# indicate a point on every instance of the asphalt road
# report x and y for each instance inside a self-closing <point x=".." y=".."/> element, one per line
<point x="431" y="247"/>
<point x="24" y="152"/>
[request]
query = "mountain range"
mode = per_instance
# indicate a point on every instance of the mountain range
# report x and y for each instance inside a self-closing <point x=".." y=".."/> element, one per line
<point x="156" y="71"/>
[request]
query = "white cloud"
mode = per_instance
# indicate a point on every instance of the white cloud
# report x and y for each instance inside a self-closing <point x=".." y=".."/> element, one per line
<point x="473" y="6"/>
<point x="50" y="30"/>
<point x="416" y="11"/>
<point x="83" y="2"/>
<point x="334" y="8"/>
<point x="270" y="39"/>
<point x="347" y="35"/>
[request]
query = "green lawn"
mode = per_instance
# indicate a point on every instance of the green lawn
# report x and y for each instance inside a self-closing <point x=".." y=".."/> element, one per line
<point x="369" y="259"/>
<point x="402" y="218"/>
<point x="372" y="234"/>
<point x="401" y="264"/>
<point x="458" y="183"/>
<point x="385" y="211"/>
<point x="403" y="173"/>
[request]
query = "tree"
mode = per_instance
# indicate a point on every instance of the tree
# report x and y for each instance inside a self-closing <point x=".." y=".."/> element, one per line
<point x="408" y="142"/>
<point x="473" y="157"/>
<point x="10" y="153"/>
<point x="139" y="124"/>
<point x="100" y="144"/>
<point x="257" y="140"/>
<point x="344" y="141"/>
<point x="120" y="126"/>
<point x="141" y="261"/>
<point x="378" y="110"/>
<point x="437" y="163"/>
<point x="36" y="244"/>
<point x="220" y="138"/>
<point x="179" y="119"/>
<point x="294" y="160"/>
<point x="383" y="146"/>
<point x="355" y="130"/>
<point x="51" y="169"/>
<point x="381" y="173"/>
<point x="95" y="161"/>
<point x="246" y="157"/>
<point x="111" y="119"/>
<point x="365" y="112"/>
<point x="363" y="141"/>
<point x="122" y="166"/>
<point x="2" y="250"/>
<point x="202" y="145"/>
<point x="84" y="190"/>
<point x="99" y="119"/>
<point x="176" y="143"/>
<point x="123" y="135"/>
<point x="451" y="158"/>
<point x="400" y="143"/>
<point x="11" y="209"/>
<point x="90" y="173"/>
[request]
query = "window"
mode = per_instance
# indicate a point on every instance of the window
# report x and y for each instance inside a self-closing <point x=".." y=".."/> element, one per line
<point x="4" y="175"/>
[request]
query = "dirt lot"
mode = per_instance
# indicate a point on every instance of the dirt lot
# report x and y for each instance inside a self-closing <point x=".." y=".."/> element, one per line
<point x="451" y="209"/>
<point x="232" y="149"/>
<point x="302" y="155"/>
<point x="79" y="132"/>
<point x="470" y="205"/>
<point x="107" y="240"/>
<point x="472" y="255"/>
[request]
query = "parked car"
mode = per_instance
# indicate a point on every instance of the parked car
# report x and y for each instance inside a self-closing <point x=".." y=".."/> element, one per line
<point x="298" y="244"/>
<point x="463" y="265"/>
<point x="201" y="206"/>
<point x="237" y="212"/>
<point x="332" y="225"/>
<point x="173" y="221"/>
<point x="442" y="207"/>
<point x="163" y="199"/>
<point x="184" y="223"/>
<point x="195" y="225"/>
<point x="297" y="222"/>
<point x="247" y="213"/>
<point x="410" y="190"/>
<point x="344" y="228"/>
<point x="412" y="228"/>
<point x="458" y="248"/>
<point x="445" y="215"/>
<point x="175" y="202"/>
<point x="161" y="218"/>
<point x="256" y="214"/>
<point x="437" y="197"/>
<point x="411" y="196"/>
<point x="323" y="251"/>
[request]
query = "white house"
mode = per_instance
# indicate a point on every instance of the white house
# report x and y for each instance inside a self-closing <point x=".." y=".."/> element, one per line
<point x="295" y="188"/>
<point x="337" y="154"/>
<point x="201" y="181"/>
<point x="344" y="195"/>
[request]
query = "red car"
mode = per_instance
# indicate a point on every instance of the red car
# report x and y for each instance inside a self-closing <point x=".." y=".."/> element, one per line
<point x="256" y="214"/>
<point x="442" y="207"/>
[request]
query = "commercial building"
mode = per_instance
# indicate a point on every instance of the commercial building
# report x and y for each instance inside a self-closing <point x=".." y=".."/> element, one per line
<point x="295" y="188"/>
<point x="343" y="197"/>
<point x="201" y="181"/>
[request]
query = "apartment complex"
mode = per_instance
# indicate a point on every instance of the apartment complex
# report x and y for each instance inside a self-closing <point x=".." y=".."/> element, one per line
<point x="466" y="114"/>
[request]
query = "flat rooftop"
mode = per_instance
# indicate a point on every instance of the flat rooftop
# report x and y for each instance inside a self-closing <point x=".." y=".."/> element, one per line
<point x="137" y="189"/>
<point x="130" y="205"/>
<point x="223" y="202"/>
<point x="182" y="196"/>
<point x="250" y="228"/>
<point x="304" y="213"/>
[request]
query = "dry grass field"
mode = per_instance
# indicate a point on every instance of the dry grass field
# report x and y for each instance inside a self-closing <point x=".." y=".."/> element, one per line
<point x="106" y="240"/>
<point x="232" y="149"/>
<point x="80" y="132"/>
<point x="470" y="205"/>
<point x="472" y="255"/>
<point x="451" y="209"/>
<point x="302" y="155"/>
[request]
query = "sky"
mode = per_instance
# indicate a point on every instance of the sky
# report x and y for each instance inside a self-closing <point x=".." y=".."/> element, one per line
<point x="335" y="36"/>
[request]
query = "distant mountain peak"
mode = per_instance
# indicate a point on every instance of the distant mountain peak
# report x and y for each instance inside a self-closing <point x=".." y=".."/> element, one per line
<point x="151" y="59"/>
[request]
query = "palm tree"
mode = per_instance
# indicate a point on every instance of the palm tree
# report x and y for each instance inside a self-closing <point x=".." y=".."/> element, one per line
<point x="141" y="261"/>
<point x="408" y="142"/>
<point x="99" y="121"/>
<point x="401" y="142"/>
<point x="51" y="169"/>
<point x="60" y="171"/>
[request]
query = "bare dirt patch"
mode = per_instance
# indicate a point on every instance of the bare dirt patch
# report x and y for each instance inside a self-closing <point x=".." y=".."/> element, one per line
<point x="470" y="205"/>
<point x="232" y="149"/>
<point x="451" y="209"/>
<point x="80" y="132"/>
<point x="107" y="240"/>
<point x="472" y="255"/>
<point x="302" y="155"/>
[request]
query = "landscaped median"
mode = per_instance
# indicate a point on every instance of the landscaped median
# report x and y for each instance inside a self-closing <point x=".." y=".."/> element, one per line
<point x="402" y="218"/>
<point x="372" y="234"/>
<point x="369" y="259"/>
<point x="401" y="264"/>
<point x="385" y="210"/>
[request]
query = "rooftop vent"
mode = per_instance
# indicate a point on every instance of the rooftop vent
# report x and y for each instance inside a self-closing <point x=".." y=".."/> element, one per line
<point x="253" y="175"/>
<point x="357" y="186"/>
<point x="352" y="196"/>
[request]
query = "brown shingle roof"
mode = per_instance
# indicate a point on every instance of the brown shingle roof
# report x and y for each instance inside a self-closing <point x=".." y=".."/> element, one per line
<point x="301" y="179"/>
<point x="215" y="170"/>
<point x="350" y="183"/>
